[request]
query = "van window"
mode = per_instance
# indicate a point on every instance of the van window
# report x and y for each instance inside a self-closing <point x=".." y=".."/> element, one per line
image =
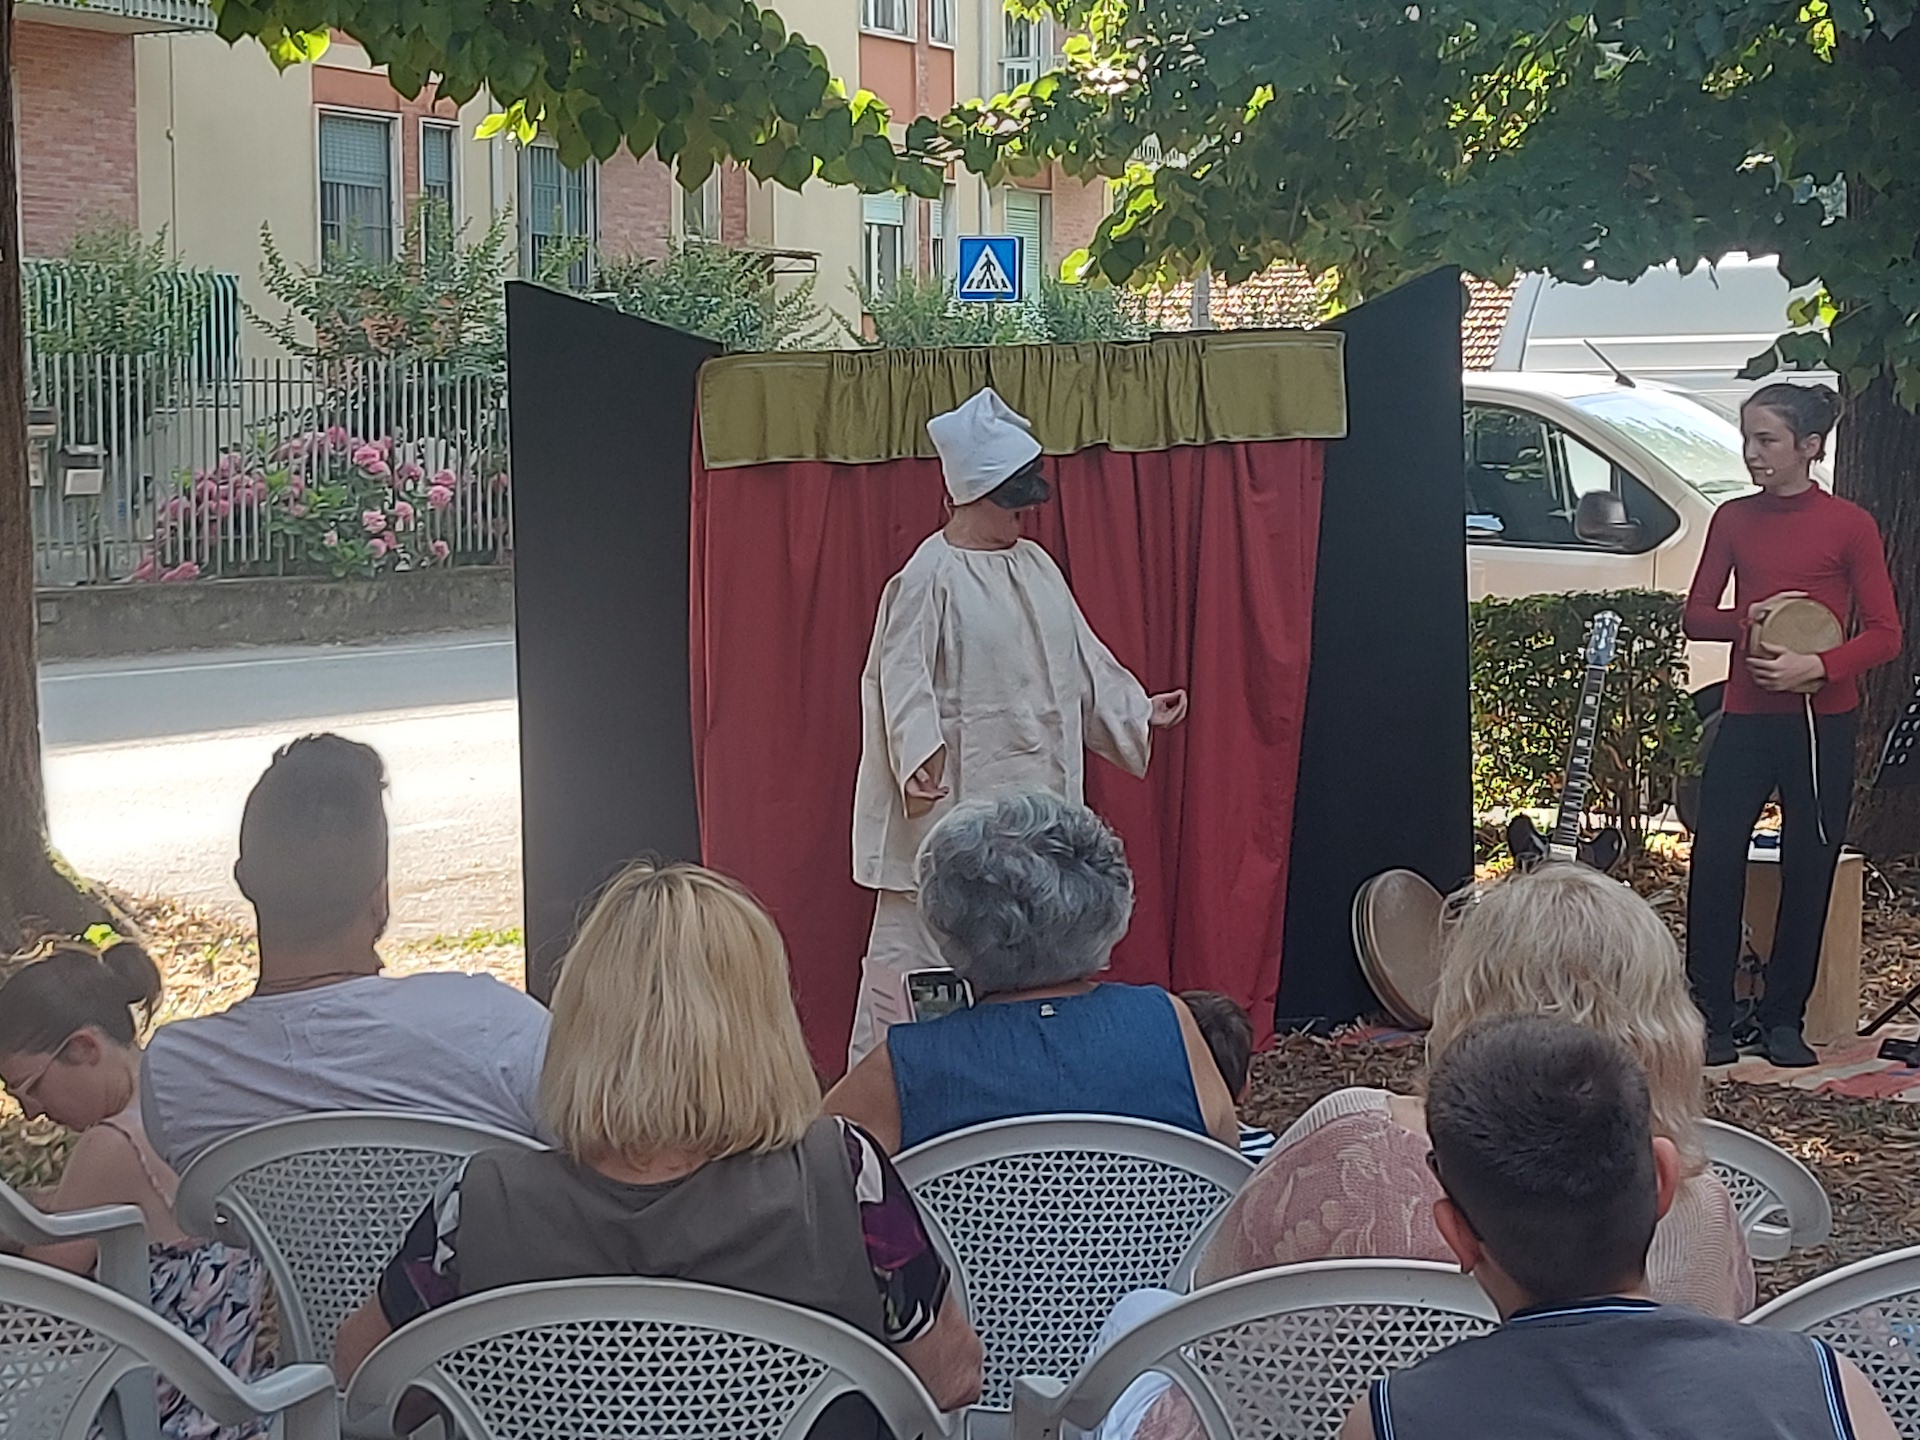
<point x="1525" y="476"/>
<point x="1702" y="448"/>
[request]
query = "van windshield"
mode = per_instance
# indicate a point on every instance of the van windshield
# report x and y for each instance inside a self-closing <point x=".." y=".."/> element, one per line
<point x="1700" y="446"/>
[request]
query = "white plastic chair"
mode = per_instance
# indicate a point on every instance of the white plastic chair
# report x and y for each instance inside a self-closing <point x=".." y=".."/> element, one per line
<point x="67" y="1344"/>
<point x="1780" y="1204"/>
<point x="1046" y="1221"/>
<point x="325" y="1201"/>
<point x="575" y="1359"/>
<point x="1870" y="1312"/>
<point x="1277" y="1353"/>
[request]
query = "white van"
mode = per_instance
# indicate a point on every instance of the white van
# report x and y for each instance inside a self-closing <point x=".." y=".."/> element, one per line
<point x="1577" y="482"/>
<point x="1691" y="332"/>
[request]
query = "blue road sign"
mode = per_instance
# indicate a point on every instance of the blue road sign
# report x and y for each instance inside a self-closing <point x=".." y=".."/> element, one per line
<point x="990" y="267"/>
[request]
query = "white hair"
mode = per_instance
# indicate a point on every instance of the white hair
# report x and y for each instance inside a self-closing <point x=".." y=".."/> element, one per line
<point x="1024" y="891"/>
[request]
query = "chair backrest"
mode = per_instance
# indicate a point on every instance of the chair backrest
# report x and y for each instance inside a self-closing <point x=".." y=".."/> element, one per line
<point x="1870" y="1312"/>
<point x="1780" y="1204"/>
<point x="1280" y="1352"/>
<point x="325" y="1201"/>
<point x="1048" y="1220"/>
<point x="67" y="1345"/>
<point x="578" y="1358"/>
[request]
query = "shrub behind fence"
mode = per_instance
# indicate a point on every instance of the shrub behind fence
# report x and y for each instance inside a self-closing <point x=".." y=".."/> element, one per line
<point x="207" y="473"/>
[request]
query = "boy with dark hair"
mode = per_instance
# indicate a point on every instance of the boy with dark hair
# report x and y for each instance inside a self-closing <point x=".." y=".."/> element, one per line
<point x="1542" y="1141"/>
<point x="1229" y="1036"/>
<point x="323" y="1029"/>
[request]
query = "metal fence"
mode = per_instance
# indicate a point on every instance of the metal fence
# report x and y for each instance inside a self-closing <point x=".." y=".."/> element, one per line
<point x="145" y="468"/>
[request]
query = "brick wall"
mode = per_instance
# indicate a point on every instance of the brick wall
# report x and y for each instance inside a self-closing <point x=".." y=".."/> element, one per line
<point x="1078" y="210"/>
<point x="636" y="206"/>
<point x="79" y="152"/>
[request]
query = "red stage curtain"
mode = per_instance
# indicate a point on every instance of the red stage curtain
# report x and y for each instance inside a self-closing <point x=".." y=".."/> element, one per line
<point x="1195" y="565"/>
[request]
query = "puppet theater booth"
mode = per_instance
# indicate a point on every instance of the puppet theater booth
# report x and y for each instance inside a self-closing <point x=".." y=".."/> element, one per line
<point x="1271" y="520"/>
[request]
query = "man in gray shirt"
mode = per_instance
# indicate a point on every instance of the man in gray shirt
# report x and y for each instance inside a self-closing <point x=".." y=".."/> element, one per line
<point x="324" y="1029"/>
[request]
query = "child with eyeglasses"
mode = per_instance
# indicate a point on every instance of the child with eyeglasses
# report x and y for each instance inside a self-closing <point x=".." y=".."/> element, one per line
<point x="69" y="1050"/>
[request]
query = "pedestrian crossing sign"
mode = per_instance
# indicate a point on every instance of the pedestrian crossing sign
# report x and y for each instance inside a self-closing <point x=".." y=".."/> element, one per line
<point x="990" y="267"/>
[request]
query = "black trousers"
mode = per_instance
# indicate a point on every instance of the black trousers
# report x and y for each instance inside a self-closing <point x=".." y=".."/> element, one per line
<point x="1752" y="757"/>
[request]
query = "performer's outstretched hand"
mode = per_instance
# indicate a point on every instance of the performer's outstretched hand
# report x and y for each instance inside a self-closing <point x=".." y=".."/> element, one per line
<point x="1168" y="709"/>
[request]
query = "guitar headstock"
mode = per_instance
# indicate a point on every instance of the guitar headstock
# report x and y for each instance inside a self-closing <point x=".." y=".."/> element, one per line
<point x="1602" y="633"/>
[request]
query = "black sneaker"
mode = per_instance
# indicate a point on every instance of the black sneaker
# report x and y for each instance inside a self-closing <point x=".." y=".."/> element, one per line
<point x="1721" y="1050"/>
<point x="1788" y="1049"/>
<point x="1747" y="1038"/>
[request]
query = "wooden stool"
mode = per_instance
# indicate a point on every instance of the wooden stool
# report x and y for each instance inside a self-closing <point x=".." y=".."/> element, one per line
<point x="1833" y="1013"/>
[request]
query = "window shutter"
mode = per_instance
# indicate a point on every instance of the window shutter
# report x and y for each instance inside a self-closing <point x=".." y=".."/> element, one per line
<point x="1023" y="219"/>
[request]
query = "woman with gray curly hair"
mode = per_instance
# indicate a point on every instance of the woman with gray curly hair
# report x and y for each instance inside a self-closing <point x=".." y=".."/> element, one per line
<point x="1026" y="895"/>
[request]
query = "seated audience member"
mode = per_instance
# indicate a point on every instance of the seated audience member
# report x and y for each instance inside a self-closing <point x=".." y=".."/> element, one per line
<point x="1229" y="1036"/>
<point x="691" y="1146"/>
<point x="1563" y="940"/>
<point x="69" y="1051"/>
<point x="1026" y="895"/>
<point x="323" y="1029"/>
<point x="1553" y="1178"/>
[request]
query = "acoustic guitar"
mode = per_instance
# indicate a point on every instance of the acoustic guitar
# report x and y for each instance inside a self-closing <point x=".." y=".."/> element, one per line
<point x="1566" y="842"/>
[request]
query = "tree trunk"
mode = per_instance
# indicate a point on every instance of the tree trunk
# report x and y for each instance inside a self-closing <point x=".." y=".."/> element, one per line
<point x="34" y="893"/>
<point x="1878" y="466"/>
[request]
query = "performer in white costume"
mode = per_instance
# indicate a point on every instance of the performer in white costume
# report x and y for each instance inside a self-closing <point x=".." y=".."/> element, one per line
<point x="983" y="676"/>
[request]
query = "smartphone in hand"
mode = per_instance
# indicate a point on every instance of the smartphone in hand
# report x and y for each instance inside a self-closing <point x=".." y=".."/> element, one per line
<point x="933" y="993"/>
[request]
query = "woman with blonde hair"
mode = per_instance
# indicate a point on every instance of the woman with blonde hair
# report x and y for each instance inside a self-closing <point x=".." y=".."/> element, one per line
<point x="688" y="1144"/>
<point x="1350" y="1179"/>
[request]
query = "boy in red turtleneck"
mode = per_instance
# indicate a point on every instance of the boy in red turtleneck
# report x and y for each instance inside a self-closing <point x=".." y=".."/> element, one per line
<point x="1791" y="540"/>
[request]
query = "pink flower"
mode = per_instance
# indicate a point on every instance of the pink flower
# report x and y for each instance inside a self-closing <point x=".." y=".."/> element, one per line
<point x="402" y="515"/>
<point x="146" y="569"/>
<point x="500" y="482"/>
<point x="176" y="508"/>
<point x="185" y="570"/>
<point x="384" y="445"/>
<point x="338" y="438"/>
<point x="439" y="497"/>
<point x="223" y="508"/>
<point x="297" y="510"/>
<point x="377" y="546"/>
<point x="443" y="479"/>
<point x="372" y="521"/>
<point x="330" y="539"/>
<point x="409" y="473"/>
<point x="205" y="489"/>
<point x="297" y="485"/>
<point x="440" y="549"/>
<point x="366" y="455"/>
<point x="379" y="468"/>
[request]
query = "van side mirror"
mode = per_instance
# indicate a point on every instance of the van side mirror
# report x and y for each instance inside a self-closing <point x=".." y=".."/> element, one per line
<point x="1601" y="519"/>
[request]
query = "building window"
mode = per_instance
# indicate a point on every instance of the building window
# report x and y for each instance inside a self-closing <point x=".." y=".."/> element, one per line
<point x="883" y="225"/>
<point x="946" y="231"/>
<point x="700" y="210"/>
<point x="558" y="208"/>
<point x="356" y="186"/>
<point x="436" y="182"/>
<point x="1026" y="217"/>
<point x="1020" y="52"/>
<point x="940" y="21"/>
<point x="889" y="17"/>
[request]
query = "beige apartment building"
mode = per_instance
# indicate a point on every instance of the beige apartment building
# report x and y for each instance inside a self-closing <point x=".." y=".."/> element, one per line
<point x="135" y="110"/>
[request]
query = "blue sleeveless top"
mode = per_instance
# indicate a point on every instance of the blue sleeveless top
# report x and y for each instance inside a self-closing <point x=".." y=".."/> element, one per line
<point x="1117" y="1050"/>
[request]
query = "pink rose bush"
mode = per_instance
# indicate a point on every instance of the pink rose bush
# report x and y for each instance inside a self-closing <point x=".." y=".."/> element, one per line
<point x="323" y="502"/>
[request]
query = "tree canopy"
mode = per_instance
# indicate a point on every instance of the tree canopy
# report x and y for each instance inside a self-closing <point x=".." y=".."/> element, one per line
<point x="695" y="82"/>
<point x="1381" y="138"/>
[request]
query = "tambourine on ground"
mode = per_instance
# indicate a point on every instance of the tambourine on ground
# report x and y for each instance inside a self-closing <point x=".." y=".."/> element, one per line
<point x="1399" y="926"/>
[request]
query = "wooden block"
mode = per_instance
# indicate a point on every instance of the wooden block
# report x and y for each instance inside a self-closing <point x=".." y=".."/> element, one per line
<point x="1833" y="1013"/>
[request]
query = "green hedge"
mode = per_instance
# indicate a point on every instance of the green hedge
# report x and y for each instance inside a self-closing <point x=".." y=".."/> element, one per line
<point x="1528" y="663"/>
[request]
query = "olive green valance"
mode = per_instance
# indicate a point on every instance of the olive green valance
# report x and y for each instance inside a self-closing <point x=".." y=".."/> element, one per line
<point x="863" y="406"/>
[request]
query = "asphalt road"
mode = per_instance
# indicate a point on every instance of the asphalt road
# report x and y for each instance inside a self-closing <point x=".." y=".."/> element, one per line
<point x="149" y="762"/>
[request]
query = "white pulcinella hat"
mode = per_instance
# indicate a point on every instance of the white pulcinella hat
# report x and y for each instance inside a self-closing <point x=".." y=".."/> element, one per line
<point x="980" y="445"/>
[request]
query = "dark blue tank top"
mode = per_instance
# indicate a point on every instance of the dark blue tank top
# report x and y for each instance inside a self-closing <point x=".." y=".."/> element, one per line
<point x="1117" y="1050"/>
<point x="1618" y="1370"/>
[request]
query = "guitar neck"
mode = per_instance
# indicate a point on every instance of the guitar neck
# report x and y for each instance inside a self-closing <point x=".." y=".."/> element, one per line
<point x="1565" y="841"/>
